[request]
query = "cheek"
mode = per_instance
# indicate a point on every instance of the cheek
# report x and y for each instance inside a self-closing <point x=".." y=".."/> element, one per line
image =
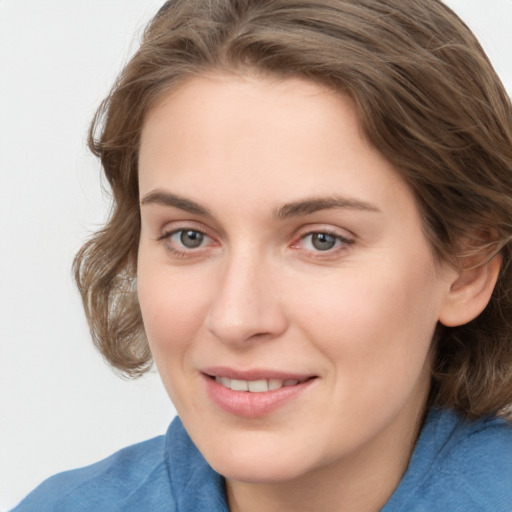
<point x="173" y="306"/>
<point x="172" y="309"/>
<point x="376" y="323"/>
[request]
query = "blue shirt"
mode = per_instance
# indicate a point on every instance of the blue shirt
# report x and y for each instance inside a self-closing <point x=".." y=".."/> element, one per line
<point x="456" y="466"/>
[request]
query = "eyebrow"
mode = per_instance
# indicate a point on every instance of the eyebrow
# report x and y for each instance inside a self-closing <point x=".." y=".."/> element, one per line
<point x="168" y="199"/>
<point x="309" y="206"/>
<point x="293" y="209"/>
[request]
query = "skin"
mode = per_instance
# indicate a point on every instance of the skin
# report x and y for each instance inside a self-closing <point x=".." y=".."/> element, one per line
<point x="258" y="293"/>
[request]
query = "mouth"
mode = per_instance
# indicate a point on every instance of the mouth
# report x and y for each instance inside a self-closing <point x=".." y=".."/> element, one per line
<point x="259" y="385"/>
<point x="252" y="394"/>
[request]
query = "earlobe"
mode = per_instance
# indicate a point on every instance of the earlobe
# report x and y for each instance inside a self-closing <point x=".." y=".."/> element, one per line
<point x="470" y="293"/>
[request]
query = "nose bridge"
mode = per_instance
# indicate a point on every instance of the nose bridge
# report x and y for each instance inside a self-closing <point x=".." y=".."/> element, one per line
<point x="246" y="304"/>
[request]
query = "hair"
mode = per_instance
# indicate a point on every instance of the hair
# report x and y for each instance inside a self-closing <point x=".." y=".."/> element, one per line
<point x="428" y="99"/>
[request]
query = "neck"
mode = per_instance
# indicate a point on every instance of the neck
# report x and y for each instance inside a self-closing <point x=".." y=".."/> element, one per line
<point x="362" y="481"/>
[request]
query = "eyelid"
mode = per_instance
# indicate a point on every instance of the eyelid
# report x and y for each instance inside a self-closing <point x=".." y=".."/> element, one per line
<point x="338" y="237"/>
<point x="341" y="233"/>
<point x="172" y="227"/>
<point x="178" y="250"/>
<point x="169" y="232"/>
<point x="345" y="240"/>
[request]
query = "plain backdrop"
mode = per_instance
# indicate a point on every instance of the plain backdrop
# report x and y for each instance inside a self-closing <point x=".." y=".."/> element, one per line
<point x="60" y="405"/>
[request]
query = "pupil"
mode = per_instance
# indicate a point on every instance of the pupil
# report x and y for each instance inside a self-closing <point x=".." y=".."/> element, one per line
<point x="323" y="241"/>
<point x="191" y="239"/>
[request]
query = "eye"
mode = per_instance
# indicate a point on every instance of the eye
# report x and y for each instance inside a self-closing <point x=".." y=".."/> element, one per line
<point x="185" y="241"/>
<point x="323" y="242"/>
<point x="188" y="238"/>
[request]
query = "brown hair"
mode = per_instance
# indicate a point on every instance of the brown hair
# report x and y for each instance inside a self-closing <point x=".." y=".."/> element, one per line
<point x="428" y="100"/>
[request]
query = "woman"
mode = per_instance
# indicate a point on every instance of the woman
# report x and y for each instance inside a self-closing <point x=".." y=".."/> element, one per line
<point x="311" y="239"/>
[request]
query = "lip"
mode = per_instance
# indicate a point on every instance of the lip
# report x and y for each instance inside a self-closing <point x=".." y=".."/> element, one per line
<point x="253" y="374"/>
<point x="253" y="405"/>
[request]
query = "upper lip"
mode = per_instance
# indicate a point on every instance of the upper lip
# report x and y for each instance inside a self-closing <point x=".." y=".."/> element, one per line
<point x="254" y="374"/>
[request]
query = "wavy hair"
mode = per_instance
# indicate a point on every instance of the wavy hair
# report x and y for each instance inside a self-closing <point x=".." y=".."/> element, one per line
<point x="428" y="99"/>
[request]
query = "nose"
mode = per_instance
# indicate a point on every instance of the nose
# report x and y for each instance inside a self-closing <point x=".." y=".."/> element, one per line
<point x="247" y="305"/>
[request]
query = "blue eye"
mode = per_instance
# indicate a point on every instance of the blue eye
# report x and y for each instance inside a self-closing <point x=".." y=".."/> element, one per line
<point x="323" y="242"/>
<point x="187" y="242"/>
<point x="188" y="238"/>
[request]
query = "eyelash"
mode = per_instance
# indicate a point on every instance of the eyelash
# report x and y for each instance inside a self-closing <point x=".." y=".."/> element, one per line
<point x="186" y="252"/>
<point x="342" y="243"/>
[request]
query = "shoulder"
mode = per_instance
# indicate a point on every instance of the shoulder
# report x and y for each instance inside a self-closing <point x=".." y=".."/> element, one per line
<point x="458" y="465"/>
<point x="162" y="474"/>
<point x="479" y="464"/>
<point x="133" y="475"/>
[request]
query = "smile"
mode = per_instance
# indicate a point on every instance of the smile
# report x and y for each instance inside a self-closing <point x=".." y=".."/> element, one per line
<point x="256" y="386"/>
<point x="251" y="394"/>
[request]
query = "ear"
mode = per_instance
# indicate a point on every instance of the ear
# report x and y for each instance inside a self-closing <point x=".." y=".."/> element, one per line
<point x="470" y="292"/>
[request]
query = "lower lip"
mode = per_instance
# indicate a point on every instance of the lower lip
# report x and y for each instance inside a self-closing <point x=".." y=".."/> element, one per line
<point x="252" y="405"/>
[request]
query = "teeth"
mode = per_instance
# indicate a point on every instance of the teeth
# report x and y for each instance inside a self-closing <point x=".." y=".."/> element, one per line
<point x="255" y="386"/>
<point x="258" y="386"/>
<point x="239" y="385"/>
<point x="275" y="384"/>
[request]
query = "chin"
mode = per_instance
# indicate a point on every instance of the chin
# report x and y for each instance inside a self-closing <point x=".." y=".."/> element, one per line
<point x="260" y="473"/>
<point x="260" y="466"/>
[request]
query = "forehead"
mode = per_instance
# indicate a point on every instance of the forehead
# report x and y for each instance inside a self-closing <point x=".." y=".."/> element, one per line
<point x="247" y="102"/>
<point x="248" y="137"/>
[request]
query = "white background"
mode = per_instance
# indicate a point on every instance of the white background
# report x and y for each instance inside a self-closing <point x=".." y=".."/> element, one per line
<point x="60" y="405"/>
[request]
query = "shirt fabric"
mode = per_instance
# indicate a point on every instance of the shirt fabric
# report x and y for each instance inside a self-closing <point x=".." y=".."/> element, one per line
<point x="457" y="466"/>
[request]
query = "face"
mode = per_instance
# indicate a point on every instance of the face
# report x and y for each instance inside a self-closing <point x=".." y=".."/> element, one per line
<point x="287" y="289"/>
